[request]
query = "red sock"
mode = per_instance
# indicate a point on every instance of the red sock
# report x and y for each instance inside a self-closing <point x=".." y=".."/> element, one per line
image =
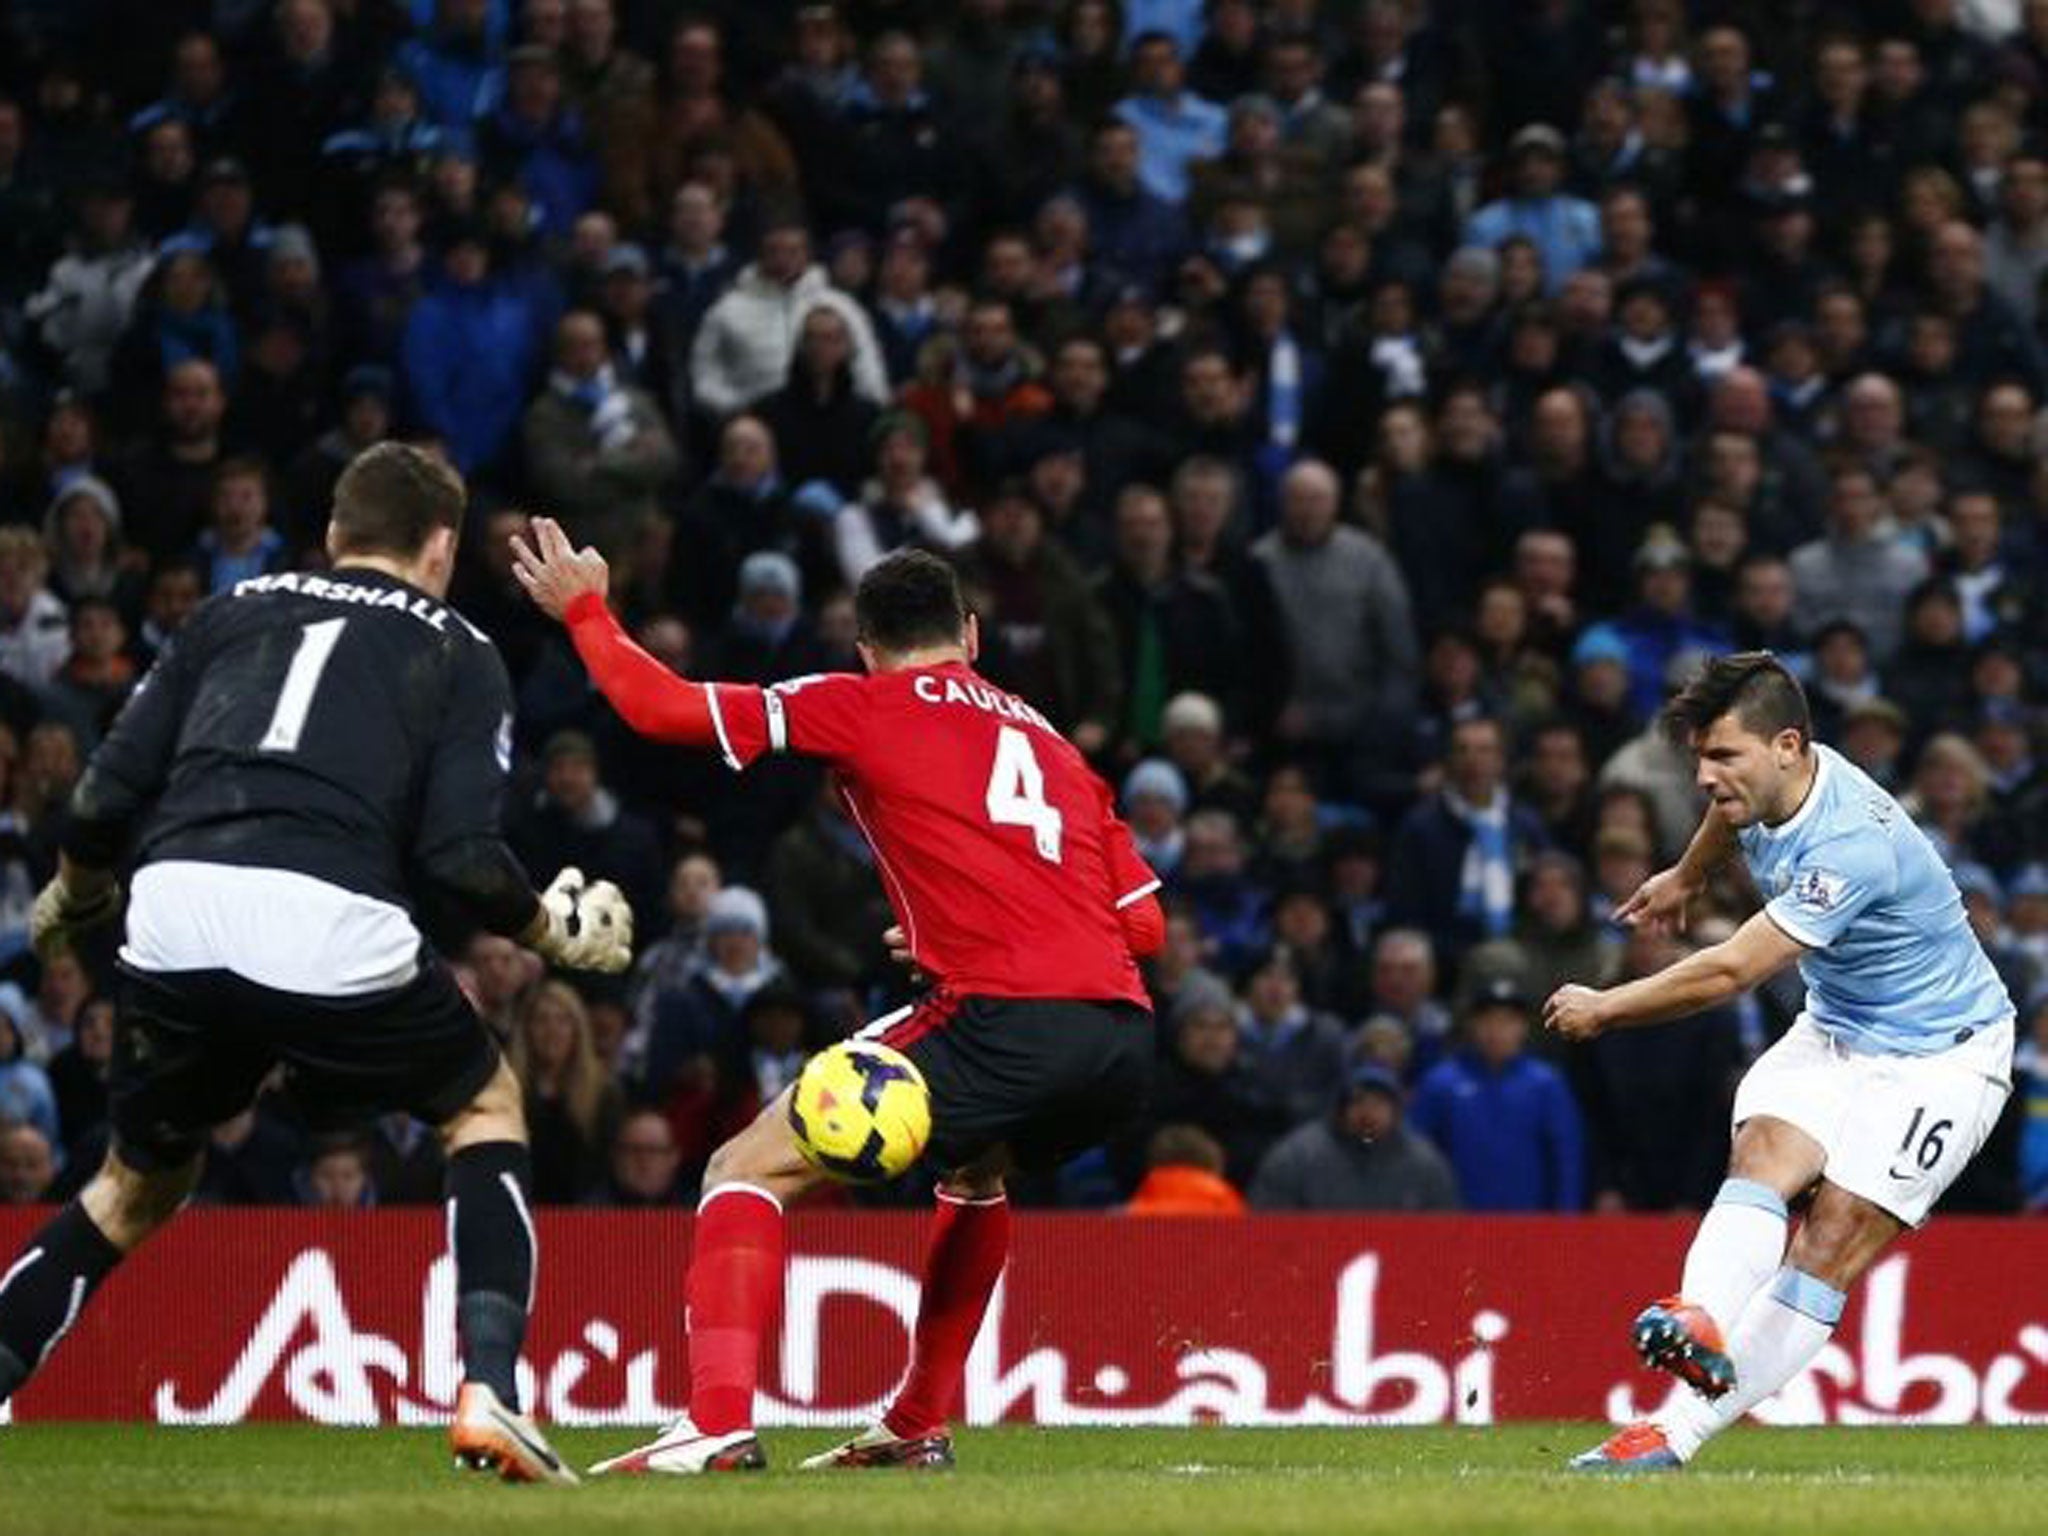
<point x="734" y="1287"/>
<point x="970" y="1240"/>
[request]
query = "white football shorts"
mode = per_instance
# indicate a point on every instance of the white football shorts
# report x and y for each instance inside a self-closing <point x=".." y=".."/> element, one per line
<point x="1897" y="1130"/>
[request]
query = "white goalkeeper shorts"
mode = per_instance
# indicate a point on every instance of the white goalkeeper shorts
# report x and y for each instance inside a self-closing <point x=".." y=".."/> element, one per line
<point x="1897" y="1130"/>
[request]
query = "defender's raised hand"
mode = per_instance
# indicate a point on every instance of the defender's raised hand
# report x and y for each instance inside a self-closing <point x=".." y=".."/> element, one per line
<point x="553" y="571"/>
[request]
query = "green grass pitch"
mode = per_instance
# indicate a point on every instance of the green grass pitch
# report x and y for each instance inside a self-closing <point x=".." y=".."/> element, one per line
<point x="88" y="1480"/>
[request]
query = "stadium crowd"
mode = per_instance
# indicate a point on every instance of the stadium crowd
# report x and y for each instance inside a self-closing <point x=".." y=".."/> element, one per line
<point x="1349" y="420"/>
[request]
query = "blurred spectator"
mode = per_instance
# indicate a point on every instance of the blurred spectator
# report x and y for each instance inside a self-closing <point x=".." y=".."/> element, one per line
<point x="238" y="541"/>
<point x="1044" y="636"/>
<point x="336" y="1175"/>
<point x="497" y="974"/>
<point x="824" y="424"/>
<point x="1505" y="1119"/>
<point x="1362" y="1157"/>
<point x="471" y="347"/>
<point x="1404" y="984"/>
<point x="537" y="140"/>
<point x="28" y="1166"/>
<point x="901" y="505"/>
<point x="746" y="340"/>
<point x="1184" y="1177"/>
<point x="1174" y="127"/>
<point x="827" y="904"/>
<point x="84" y="306"/>
<point x="1856" y="572"/>
<point x="454" y="62"/>
<point x="1176" y="627"/>
<point x="665" y="966"/>
<point x="1457" y="855"/>
<point x="79" y="1075"/>
<point x="1206" y="1081"/>
<point x="1557" y="940"/>
<point x="2030" y="1080"/>
<point x="700" y="1026"/>
<point x="1136" y="233"/>
<point x="1662" y="627"/>
<point x="1294" y="1052"/>
<point x="1155" y="798"/>
<point x="1227" y="906"/>
<point x="573" y="1109"/>
<point x="575" y="821"/>
<point x="742" y="509"/>
<point x="645" y="1168"/>
<point x="1565" y="229"/>
<point x="34" y="626"/>
<point x="306" y="494"/>
<point x="1657" y="1100"/>
<point x="26" y="1097"/>
<point x="597" y="451"/>
<point x="98" y="675"/>
<point x="1350" y="635"/>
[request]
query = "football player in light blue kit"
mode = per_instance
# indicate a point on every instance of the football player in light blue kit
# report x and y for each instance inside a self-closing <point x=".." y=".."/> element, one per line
<point x="1874" y="1100"/>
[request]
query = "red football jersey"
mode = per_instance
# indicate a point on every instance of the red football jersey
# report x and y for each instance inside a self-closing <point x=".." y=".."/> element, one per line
<point x="998" y="846"/>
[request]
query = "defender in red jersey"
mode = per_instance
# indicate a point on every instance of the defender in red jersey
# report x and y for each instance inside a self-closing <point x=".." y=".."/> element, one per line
<point x="1015" y="888"/>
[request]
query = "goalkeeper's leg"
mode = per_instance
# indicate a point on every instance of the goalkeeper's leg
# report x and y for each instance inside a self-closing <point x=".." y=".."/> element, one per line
<point x="46" y="1287"/>
<point x="491" y="1233"/>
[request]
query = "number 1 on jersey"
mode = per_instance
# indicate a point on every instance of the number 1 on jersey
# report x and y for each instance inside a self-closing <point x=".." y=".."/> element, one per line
<point x="1016" y="793"/>
<point x="301" y="679"/>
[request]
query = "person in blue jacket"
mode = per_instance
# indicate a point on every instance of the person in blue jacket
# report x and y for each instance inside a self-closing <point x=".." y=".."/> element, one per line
<point x="1504" y="1118"/>
<point x="534" y="139"/>
<point x="471" y="349"/>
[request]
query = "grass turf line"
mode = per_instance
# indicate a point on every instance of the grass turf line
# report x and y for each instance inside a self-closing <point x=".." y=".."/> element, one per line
<point x="96" y="1480"/>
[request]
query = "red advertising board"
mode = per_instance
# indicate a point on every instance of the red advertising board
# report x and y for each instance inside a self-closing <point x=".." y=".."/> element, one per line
<point x="349" y="1318"/>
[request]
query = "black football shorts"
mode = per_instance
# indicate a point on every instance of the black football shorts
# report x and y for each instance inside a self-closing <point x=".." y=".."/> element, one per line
<point x="1045" y="1077"/>
<point x="191" y="1049"/>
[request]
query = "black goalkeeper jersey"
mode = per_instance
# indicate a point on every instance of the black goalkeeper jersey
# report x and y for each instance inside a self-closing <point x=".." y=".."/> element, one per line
<point x="344" y="726"/>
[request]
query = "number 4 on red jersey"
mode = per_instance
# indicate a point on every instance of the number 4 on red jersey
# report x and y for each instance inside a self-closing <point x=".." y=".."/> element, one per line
<point x="997" y="843"/>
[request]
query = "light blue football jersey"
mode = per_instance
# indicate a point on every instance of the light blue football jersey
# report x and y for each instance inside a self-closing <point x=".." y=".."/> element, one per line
<point x="1891" y="963"/>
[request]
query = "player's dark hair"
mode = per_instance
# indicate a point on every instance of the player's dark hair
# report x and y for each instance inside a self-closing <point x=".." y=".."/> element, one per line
<point x="392" y="497"/>
<point x="1754" y="686"/>
<point x="908" y="602"/>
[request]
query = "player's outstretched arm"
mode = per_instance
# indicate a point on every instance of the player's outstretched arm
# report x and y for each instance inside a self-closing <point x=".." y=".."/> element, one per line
<point x="1759" y="948"/>
<point x="570" y="585"/>
<point x="1664" y="901"/>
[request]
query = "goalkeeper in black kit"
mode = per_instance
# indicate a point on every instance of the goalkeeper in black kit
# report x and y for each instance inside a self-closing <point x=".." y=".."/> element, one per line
<point x="311" y="760"/>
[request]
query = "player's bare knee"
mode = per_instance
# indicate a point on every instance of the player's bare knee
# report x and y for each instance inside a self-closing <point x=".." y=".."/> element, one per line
<point x="1841" y="1237"/>
<point x="1775" y="1154"/>
<point x="497" y="1113"/>
<point x="763" y="1155"/>
<point x="127" y="1204"/>
<point x="979" y="1180"/>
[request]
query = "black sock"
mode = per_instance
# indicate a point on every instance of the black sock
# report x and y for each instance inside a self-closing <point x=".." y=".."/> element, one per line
<point x="494" y="1260"/>
<point x="46" y="1288"/>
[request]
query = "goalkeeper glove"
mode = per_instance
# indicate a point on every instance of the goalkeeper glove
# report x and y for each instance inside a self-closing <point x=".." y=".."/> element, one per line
<point x="61" y="913"/>
<point x="583" y="927"/>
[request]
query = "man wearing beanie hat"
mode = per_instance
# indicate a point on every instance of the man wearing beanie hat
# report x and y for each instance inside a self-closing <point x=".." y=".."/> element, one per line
<point x="1155" y="799"/>
<point x="768" y="635"/>
<point x="1359" y="1157"/>
<point x="1017" y="891"/>
<point x="706" y="1018"/>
